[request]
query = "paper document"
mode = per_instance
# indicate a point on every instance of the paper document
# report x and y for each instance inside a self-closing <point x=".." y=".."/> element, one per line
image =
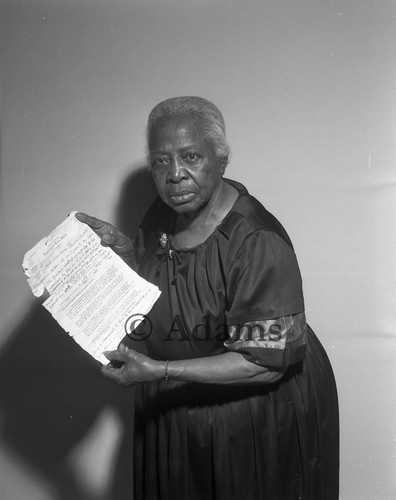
<point x="92" y="291"/>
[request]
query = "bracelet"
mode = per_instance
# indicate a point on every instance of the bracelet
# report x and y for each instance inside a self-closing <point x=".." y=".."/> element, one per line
<point x="166" y="370"/>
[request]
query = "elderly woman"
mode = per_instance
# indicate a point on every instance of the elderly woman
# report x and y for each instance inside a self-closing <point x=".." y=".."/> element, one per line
<point x="235" y="396"/>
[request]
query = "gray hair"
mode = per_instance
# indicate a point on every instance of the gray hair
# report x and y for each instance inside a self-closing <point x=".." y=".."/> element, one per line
<point x="210" y="119"/>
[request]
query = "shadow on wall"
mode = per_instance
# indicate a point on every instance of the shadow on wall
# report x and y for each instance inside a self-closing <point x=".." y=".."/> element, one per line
<point x="137" y="193"/>
<point x="53" y="396"/>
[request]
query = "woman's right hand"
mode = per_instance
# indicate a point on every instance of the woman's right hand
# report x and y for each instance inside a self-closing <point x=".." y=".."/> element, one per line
<point x="111" y="237"/>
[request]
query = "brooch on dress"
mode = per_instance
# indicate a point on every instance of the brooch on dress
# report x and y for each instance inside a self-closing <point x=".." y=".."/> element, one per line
<point x="164" y="241"/>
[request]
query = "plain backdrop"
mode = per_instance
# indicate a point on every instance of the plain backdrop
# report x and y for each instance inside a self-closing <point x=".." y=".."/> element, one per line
<point x="307" y="89"/>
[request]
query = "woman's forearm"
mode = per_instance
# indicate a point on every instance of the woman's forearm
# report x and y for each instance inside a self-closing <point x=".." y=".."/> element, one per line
<point x="129" y="367"/>
<point x="227" y="368"/>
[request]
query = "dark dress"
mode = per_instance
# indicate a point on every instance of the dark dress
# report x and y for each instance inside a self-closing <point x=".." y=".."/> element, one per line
<point x="231" y="442"/>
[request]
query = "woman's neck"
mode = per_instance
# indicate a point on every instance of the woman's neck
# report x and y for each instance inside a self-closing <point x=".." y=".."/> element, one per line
<point x="192" y="229"/>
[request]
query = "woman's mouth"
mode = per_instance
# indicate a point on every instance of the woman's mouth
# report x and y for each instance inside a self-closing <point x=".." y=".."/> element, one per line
<point x="181" y="197"/>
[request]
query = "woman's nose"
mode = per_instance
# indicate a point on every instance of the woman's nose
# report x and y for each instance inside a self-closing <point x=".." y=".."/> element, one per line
<point x="176" y="171"/>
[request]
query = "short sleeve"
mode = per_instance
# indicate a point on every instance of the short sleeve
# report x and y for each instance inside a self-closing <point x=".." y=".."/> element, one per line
<point x="273" y="343"/>
<point x="266" y="320"/>
<point x="264" y="280"/>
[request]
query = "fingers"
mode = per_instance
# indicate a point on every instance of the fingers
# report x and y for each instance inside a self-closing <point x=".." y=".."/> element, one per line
<point x="121" y="355"/>
<point x="109" y="235"/>
<point x="91" y="221"/>
<point x="118" y="370"/>
<point x="114" y="238"/>
<point x="100" y="227"/>
<point x="114" y="370"/>
<point x="113" y="373"/>
<point x="122" y="347"/>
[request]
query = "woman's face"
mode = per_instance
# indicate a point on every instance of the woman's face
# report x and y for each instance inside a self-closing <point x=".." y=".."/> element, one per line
<point x="185" y="168"/>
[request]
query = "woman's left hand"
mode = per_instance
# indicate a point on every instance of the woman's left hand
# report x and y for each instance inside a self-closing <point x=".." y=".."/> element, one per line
<point x="111" y="237"/>
<point x="129" y="367"/>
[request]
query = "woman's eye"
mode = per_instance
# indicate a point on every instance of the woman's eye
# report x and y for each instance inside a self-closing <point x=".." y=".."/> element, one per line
<point x="192" y="157"/>
<point x="159" y="162"/>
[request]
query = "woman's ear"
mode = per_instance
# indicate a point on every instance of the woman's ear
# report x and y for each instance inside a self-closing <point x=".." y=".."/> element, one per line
<point x="223" y="160"/>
